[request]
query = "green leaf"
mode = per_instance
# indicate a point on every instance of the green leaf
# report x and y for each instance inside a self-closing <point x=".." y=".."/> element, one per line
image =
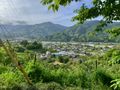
<point x="57" y="2"/>
<point x="50" y="7"/>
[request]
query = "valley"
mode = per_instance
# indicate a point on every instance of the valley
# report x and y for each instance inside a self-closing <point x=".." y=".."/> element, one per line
<point x="59" y="44"/>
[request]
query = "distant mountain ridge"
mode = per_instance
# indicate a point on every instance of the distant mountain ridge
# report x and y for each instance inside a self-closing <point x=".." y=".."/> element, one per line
<point x="54" y="32"/>
<point x="30" y="31"/>
<point x="80" y="32"/>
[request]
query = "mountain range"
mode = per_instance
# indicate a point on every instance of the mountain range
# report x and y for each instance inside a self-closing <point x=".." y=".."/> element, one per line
<point x="37" y="31"/>
<point x="54" y="32"/>
<point x="81" y="33"/>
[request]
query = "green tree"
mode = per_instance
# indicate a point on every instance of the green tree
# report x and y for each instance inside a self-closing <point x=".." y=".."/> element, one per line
<point x="108" y="9"/>
<point x="24" y="43"/>
<point x="34" y="46"/>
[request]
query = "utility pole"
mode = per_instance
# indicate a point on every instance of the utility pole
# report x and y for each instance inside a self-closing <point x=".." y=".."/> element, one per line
<point x="11" y="53"/>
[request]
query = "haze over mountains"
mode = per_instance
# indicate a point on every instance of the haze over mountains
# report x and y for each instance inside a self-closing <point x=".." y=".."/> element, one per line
<point x="30" y="31"/>
<point x="54" y="32"/>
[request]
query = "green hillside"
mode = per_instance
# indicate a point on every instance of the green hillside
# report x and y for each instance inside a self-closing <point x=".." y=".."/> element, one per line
<point x="54" y="32"/>
<point x="36" y="31"/>
<point x="81" y="32"/>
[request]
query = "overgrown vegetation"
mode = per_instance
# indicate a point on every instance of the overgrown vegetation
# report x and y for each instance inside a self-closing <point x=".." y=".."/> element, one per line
<point x="65" y="75"/>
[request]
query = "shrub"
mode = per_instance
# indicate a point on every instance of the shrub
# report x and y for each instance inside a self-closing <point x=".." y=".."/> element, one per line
<point x="54" y="86"/>
<point x="9" y="80"/>
<point x="34" y="72"/>
<point x="64" y="59"/>
<point x="113" y="56"/>
<point x="20" y="49"/>
<point x="4" y="58"/>
<point x="63" y="76"/>
<point x="103" y="77"/>
<point x="4" y="68"/>
<point x="116" y="84"/>
<point x="24" y="43"/>
<point x="34" y="46"/>
<point x="49" y="86"/>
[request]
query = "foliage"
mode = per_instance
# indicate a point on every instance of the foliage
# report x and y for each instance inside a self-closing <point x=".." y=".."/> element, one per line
<point x="71" y="75"/>
<point x="34" y="71"/>
<point x="104" y="77"/>
<point x="4" y="69"/>
<point x="34" y="46"/>
<point x="64" y="59"/>
<point x="41" y="72"/>
<point x="85" y="33"/>
<point x="54" y="4"/>
<point x="9" y="79"/>
<point x="114" y="32"/>
<point x="20" y="49"/>
<point x="51" y="50"/>
<point x="113" y="56"/>
<point x="4" y="59"/>
<point x="108" y="9"/>
<point x="24" y="43"/>
<point x="116" y="84"/>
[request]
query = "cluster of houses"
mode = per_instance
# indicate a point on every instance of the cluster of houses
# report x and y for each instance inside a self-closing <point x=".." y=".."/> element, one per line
<point x="74" y="50"/>
<point x="56" y="54"/>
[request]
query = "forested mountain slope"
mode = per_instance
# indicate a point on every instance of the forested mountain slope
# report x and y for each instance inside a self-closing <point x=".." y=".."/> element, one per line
<point x="30" y="31"/>
<point x="81" y="32"/>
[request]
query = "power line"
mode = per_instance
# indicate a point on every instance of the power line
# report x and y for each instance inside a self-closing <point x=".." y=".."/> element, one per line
<point x="16" y="13"/>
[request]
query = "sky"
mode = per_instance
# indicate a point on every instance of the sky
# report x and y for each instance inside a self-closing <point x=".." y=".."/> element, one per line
<point x="33" y="12"/>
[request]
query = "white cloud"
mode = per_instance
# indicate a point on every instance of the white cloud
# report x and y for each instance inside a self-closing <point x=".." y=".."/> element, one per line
<point x="33" y="12"/>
